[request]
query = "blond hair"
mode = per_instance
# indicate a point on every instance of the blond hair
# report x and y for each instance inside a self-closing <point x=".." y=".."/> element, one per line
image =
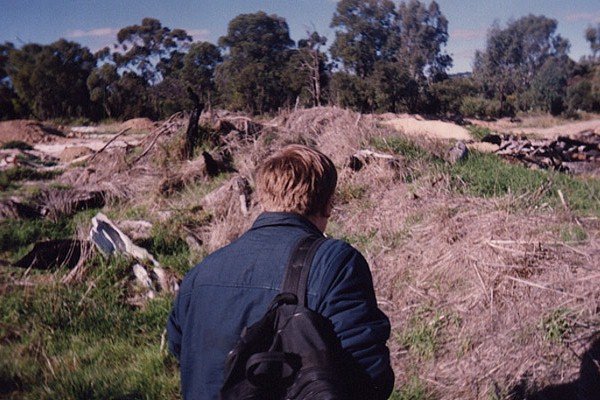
<point x="296" y="179"/>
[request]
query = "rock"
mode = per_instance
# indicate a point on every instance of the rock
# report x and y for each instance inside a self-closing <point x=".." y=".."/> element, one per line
<point x="109" y="239"/>
<point x="137" y="230"/>
<point x="458" y="152"/>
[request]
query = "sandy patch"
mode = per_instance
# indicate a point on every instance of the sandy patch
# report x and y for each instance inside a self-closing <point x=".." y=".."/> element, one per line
<point x="483" y="147"/>
<point x="92" y="143"/>
<point x="434" y="129"/>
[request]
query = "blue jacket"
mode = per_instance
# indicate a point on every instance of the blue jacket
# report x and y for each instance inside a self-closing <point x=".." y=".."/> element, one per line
<point x="233" y="287"/>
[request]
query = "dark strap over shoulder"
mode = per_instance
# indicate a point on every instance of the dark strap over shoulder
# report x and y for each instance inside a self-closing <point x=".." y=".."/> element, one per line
<point x="296" y="273"/>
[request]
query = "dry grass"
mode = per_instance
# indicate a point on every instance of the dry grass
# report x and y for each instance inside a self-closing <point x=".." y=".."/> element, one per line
<point x="483" y="293"/>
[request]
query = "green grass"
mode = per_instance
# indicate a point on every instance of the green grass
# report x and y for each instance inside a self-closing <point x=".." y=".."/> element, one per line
<point x="572" y="233"/>
<point x="169" y="248"/>
<point x="423" y="333"/>
<point x="401" y="146"/>
<point x="10" y="177"/>
<point x="555" y="325"/>
<point x="83" y="342"/>
<point x="17" y="235"/>
<point x="486" y="175"/>
<point x="478" y="132"/>
<point x="414" y="389"/>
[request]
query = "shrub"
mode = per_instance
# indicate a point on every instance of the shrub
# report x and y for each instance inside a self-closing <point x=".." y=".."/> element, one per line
<point x="478" y="107"/>
<point x="451" y="92"/>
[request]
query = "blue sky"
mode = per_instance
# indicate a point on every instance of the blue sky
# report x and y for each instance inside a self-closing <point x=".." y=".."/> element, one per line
<point x="95" y="23"/>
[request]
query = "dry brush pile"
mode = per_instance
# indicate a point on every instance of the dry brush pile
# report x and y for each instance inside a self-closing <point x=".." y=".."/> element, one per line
<point x="489" y="297"/>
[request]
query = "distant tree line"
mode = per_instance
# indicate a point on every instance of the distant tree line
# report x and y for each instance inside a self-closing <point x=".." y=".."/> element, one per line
<point x="384" y="58"/>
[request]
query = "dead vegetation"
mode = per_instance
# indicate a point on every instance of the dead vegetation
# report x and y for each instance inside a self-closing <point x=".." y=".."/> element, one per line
<point x="489" y="295"/>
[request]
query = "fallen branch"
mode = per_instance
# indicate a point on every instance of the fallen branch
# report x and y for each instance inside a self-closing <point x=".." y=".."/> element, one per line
<point x="109" y="142"/>
<point x="162" y="131"/>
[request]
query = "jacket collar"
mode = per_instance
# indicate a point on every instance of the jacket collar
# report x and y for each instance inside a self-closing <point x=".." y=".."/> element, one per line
<point x="285" y="219"/>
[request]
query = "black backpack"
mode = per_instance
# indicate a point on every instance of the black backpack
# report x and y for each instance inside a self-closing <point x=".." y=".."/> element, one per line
<point x="292" y="352"/>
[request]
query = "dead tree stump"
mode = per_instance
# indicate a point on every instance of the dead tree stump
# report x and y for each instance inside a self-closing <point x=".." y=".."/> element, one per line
<point x="191" y="135"/>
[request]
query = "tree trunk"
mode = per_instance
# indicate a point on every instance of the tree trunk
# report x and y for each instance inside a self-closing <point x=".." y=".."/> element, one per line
<point x="191" y="135"/>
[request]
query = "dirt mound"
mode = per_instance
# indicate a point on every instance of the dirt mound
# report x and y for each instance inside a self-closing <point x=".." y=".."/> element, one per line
<point x="71" y="153"/>
<point x="27" y="131"/>
<point x="139" y="124"/>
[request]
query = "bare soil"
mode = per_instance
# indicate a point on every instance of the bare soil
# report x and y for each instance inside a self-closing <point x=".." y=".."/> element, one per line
<point x="28" y="131"/>
<point x="536" y="126"/>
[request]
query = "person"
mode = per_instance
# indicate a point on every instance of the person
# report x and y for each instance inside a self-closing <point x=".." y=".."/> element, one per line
<point x="233" y="287"/>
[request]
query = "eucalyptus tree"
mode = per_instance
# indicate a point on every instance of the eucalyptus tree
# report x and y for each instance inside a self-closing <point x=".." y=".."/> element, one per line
<point x="423" y="32"/>
<point x="51" y="79"/>
<point x="365" y="34"/>
<point x="515" y="54"/>
<point x="150" y="50"/>
<point x="258" y="48"/>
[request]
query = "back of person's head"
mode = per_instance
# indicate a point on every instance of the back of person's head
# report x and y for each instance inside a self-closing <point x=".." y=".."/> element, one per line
<point x="296" y="179"/>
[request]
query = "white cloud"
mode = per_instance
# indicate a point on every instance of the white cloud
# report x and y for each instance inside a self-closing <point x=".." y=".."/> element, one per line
<point x="199" y="34"/>
<point x="583" y="17"/>
<point x="98" y="32"/>
<point x="468" y="34"/>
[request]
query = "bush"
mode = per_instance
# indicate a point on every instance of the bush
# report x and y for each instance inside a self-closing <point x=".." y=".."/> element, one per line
<point x="350" y="91"/>
<point x="580" y="97"/>
<point x="478" y="107"/>
<point x="450" y="93"/>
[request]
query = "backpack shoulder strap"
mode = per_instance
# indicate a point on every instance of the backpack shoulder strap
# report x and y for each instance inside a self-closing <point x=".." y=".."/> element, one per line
<point x="296" y="273"/>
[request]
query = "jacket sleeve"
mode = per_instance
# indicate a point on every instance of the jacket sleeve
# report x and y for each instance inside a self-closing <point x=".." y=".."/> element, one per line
<point x="348" y="300"/>
<point x="174" y="331"/>
<point x="177" y="317"/>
